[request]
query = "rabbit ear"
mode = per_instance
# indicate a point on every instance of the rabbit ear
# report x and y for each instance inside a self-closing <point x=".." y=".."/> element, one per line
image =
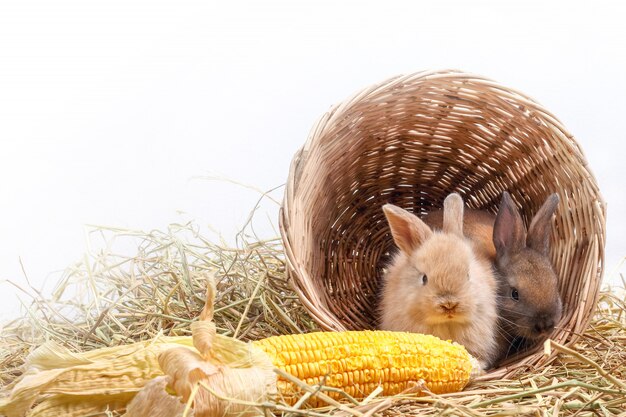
<point x="453" y="214"/>
<point x="539" y="230"/>
<point x="509" y="233"/>
<point x="408" y="231"/>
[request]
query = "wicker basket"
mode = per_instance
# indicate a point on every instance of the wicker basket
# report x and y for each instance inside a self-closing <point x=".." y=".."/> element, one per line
<point x="410" y="141"/>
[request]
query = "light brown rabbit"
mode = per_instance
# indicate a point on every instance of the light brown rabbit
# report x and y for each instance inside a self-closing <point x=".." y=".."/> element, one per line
<point x="529" y="303"/>
<point x="436" y="285"/>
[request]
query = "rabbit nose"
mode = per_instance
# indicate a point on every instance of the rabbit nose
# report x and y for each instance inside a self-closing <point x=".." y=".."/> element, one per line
<point x="544" y="324"/>
<point x="449" y="305"/>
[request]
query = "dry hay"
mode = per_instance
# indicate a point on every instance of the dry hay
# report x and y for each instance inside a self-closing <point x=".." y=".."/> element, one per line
<point x="110" y="299"/>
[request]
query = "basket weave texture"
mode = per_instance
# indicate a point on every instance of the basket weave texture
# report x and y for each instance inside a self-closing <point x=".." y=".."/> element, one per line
<point x="411" y="141"/>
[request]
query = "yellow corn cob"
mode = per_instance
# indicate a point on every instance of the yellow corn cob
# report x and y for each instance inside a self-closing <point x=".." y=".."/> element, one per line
<point x="359" y="361"/>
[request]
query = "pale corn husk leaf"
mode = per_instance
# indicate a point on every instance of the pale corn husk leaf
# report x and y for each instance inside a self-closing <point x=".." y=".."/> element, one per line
<point x="225" y="390"/>
<point x="233" y="375"/>
<point x="59" y="382"/>
<point x="57" y="376"/>
<point x="154" y="401"/>
<point x="80" y="405"/>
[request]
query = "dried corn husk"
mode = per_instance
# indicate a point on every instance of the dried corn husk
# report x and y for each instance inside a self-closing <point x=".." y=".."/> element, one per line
<point x="60" y="382"/>
<point x="237" y="375"/>
<point x="248" y="379"/>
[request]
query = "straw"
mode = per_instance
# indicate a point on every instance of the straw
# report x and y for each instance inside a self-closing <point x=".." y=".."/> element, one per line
<point x="144" y="294"/>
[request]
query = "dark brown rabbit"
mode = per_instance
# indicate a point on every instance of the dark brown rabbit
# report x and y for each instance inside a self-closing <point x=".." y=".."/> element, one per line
<point x="529" y="303"/>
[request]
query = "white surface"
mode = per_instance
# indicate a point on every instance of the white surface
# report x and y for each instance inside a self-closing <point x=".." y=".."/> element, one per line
<point x="108" y="110"/>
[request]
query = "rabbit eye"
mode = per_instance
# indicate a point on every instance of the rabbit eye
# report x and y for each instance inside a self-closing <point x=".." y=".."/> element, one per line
<point x="514" y="294"/>
<point x="424" y="279"/>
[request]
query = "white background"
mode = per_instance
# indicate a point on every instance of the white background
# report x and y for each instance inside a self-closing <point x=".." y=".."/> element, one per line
<point x="109" y="111"/>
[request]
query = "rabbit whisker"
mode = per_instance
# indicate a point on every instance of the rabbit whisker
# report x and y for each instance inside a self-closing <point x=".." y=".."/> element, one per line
<point x="517" y="313"/>
<point x="505" y="335"/>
